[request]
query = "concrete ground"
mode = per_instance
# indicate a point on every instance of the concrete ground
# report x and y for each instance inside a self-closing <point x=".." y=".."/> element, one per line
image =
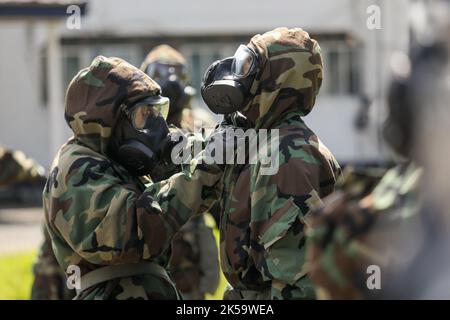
<point x="20" y="229"/>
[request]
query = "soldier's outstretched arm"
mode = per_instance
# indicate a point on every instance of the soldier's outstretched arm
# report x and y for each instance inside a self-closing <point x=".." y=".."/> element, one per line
<point x="105" y="221"/>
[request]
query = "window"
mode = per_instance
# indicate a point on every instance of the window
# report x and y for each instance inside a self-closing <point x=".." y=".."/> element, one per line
<point x="43" y="78"/>
<point x="341" y="68"/>
<point x="71" y="66"/>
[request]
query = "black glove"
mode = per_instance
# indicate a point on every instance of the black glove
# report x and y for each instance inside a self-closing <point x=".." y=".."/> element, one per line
<point x="223" y="143"/>
<point x="165" y="167"/>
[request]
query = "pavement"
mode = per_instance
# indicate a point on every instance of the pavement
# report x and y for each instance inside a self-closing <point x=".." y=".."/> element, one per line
<point x="20" y="229"/>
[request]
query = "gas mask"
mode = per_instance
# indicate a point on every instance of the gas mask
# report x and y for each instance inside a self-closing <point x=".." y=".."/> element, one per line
<point x="227" y="83"/>
<point x="141" y="134"/>
<point x="172" y="79"/>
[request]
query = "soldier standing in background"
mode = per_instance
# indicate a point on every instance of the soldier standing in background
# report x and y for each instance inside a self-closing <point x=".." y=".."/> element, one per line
<point x="49" y="278"/>
<point x="273" y="81"/>
<point x="102" y="215"/>
<point x="194" y="263"/>
<point x="21" y="178"/>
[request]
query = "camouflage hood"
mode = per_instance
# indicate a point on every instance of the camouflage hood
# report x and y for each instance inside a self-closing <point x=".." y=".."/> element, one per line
<point x="290" y="76"/>
<point x="95" y="94"/>
<point x="163" y="54"/>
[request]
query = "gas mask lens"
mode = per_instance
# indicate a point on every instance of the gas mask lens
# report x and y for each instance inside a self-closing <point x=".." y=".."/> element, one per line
<point x="158" y="71"/>
<point x="243" y="62"/>
<point x="147" y="110"/>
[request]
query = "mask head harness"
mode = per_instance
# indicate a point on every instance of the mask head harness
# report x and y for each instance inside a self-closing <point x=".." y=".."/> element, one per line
<point x="140" y="134"/>
<point x="226" y="84"/>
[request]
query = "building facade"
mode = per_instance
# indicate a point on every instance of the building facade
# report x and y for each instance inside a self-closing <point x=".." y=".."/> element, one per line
<point x="356" y="60"/>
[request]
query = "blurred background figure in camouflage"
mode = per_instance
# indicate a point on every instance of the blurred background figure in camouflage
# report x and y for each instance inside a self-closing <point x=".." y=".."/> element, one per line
<point x="273" y="81"/>
<point x="393" y="242"/>
<point x="102" y="214"/>
<point x="21" y="181"/>
<point x="168" y="68"/>
<point x="194" y="264"/>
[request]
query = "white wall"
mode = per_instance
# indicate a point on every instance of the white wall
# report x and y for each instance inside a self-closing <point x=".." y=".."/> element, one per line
<point x="23" y="121"/>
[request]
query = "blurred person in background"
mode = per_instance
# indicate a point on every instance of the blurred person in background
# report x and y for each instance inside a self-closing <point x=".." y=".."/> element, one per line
<point x="393" y="242"/>
<point x="194" y="263"/>
<point x="270" y="84"/>
<point x="21" y="182"/>
<point x="101" y="211"/>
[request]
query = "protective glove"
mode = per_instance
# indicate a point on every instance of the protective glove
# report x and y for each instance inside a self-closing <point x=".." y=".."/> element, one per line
<point x="223" y="145"/>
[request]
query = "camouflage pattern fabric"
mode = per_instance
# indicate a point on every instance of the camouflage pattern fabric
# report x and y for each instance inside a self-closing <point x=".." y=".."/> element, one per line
<point x="163" y="54"/>
<point x="96" y="213"/>
<point x="179" y="116"/>
<point x="194" y="264"/>
<point x="262" y="227"/>
<point x="350" y="233"/>
<point x="49" y="280"/>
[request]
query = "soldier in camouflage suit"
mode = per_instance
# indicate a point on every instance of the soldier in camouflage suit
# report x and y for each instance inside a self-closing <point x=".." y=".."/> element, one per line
<point x="262" y="226"/>
<point x="194" y="264"/>
<point x="393" y="233"/>
<point x="17" y="169"/>
<point x="100" y="217"/>
<point x="351" y="233"/>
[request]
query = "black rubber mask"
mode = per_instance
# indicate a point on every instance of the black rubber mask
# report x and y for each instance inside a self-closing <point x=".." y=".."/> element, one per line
<point x="140" y="135"/>
<point x="227" y="83"/>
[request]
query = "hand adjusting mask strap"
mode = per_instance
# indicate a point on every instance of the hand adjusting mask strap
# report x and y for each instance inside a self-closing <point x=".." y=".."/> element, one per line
<point x="226" y="83"/>
<point x="140" y="134"/>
